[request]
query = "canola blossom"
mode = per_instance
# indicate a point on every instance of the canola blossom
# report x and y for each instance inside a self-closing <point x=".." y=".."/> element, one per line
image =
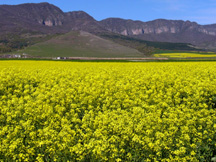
<point x="67" y="111"/>
<point x="187" y="55"/>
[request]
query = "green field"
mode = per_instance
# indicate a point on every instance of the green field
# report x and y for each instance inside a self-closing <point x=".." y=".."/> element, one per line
<point x="80" y="44"/>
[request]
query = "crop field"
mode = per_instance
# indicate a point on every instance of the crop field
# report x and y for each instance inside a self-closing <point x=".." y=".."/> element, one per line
<point x="68" y="111"/>
<point x="186" y="55"/>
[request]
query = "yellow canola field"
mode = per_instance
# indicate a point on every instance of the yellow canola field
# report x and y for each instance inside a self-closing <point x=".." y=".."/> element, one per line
<point x="185" y="55"/>
<point x="67" y="111"/>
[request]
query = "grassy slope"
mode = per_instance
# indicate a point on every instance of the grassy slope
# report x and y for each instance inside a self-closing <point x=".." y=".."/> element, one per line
<point x="148" y="47"/>
<point x="80" y="44"/>
<point x="12" y="42"/>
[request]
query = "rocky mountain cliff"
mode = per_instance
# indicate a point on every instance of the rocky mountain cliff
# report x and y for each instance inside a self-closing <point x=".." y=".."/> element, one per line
<point x="43" y="18"/>
<point x="130" y="27"/>
<point x="163" y="30"/>
<point x="46" y="18"/>
<point x="30" y="17"/>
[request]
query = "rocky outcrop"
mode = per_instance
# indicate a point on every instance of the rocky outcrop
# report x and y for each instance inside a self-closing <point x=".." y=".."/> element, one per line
<point x="50" y="22"/>
<point x="46" y="18"/>
<point x="209" y="29"/>
<point x="162" y="30"/>
<point x="30" y="17"/>
<point x="43" y="13"/>
<point x="129" y="27"/>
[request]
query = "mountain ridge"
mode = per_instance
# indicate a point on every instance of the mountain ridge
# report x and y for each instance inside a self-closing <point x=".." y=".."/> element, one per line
<point x="50" y="15"/>
<point x="47" y="19"/>
<point x="149" y="30"/>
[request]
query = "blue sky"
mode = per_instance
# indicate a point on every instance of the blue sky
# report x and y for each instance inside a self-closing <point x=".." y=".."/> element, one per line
<point x="201" y="11"/>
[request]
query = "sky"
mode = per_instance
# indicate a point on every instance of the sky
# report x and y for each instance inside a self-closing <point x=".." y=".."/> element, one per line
<point x="200" y="11"/>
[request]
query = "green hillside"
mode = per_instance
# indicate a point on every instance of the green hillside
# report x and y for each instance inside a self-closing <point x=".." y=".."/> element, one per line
<point x="80" y="44"/>
<point x="147" y="47"/>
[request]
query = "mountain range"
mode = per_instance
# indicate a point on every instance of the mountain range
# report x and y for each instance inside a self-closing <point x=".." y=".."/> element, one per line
<point x="26" y="24"/>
